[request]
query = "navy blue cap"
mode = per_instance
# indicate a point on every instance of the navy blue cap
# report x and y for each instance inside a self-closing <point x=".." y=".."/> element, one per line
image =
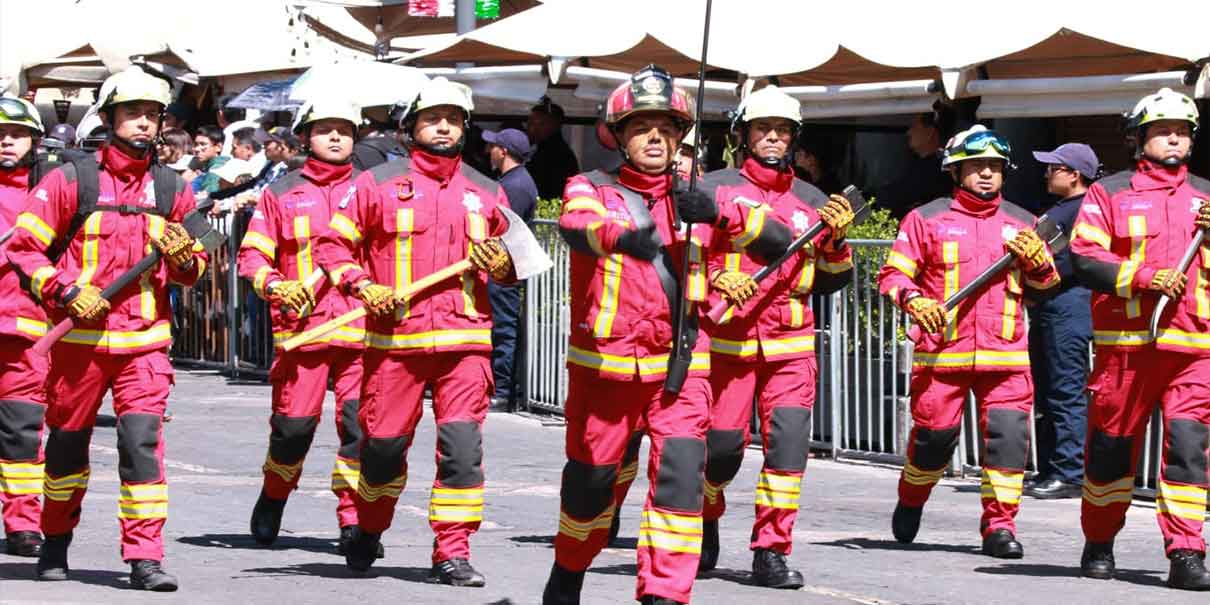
<point x="1077" y="156"/>
<point x="511" y="139"/>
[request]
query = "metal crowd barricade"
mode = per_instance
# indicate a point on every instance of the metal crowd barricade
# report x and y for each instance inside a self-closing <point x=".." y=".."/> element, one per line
<point x="548" y="324"/>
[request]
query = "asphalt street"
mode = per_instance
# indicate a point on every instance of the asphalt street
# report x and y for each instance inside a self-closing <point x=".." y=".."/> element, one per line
<point x="216" y="443"/>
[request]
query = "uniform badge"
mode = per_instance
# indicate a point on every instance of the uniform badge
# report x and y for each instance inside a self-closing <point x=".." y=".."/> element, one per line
<point x="800" y="220"/>
<point x="42" y="195"/>
<point x="652" y="85"/>
<point x="404" y="190"/>
<point x="470" y="199"/>
<point x="149" y="194"/>
<point x="1196" y="205"/>
<point x="1009" y="232"/>
<point x="344" y="201"/>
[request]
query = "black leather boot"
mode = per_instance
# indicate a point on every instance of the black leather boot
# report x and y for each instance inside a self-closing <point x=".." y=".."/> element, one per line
<point x="1188" y="570"/>
<point x="563" y="587"/>
<point x="52" y="562"/>
<point x="1002" y="544"/>
<point x="266" y="519"/>
<point x="769" y="569"/>
<point x="23" y="543"/>
<point x="1097" y="561"/>
<point x="710" y="547"/>
<point x="361" y="550"/>
<point x="456" y="572"/>
<point x="146" y="574"/>
<point x="614" y="527"/>
<point x="905" y="522"/>
<point x="346" y="536"/>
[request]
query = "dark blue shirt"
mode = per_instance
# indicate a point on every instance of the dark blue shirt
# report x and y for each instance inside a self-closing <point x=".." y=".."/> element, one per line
<point x="521" y="191"/>
<point x="1064" y="214"/>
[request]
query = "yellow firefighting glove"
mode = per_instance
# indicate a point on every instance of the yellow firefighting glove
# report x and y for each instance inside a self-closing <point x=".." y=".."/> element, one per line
<point x="736" y="286"/>
<point x="176" y="246"/>
<point x="379" y="299"/>
<point x="291" y="293"/>
<point x="1169" y="282"/>
<point x="1029" y="249"/>
<point x="1203" y="216"/>
<point x="927" y="313"/>
<point x="490" y="256"/>
<point x="837" y="214"/>
<point x="85" y="303"/>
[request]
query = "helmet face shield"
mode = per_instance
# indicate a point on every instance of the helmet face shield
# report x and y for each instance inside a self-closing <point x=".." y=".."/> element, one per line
<point x="18" y="111"/>
<point x="978" y="142"/>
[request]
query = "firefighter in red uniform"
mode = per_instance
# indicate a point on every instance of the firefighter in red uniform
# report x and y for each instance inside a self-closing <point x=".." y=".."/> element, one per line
<point x="624" y="275"/>
<point x="277" y="256"/>
<point x="766" y="348"/>
<point x="22" y="373"/>
<point x="119" y="344"/>
<point x="1127" y="242"/>
<point x="407" y="219"/>
<point x="980" y="346"/>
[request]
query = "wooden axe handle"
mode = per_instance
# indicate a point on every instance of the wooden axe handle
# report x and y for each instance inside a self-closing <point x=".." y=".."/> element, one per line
<point x="413" y="289"/>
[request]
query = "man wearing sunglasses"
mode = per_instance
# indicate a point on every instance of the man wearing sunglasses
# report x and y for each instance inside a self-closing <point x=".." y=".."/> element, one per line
<point x="22" y="373"/>
<point x="980" y="345"/>
<point x="1129" y="237"/>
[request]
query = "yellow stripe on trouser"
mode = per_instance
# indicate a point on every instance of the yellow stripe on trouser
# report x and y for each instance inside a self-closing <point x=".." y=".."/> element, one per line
<point x="712" y="490"/>
<point x="949" y="254"/>
<point x="287" y="472"/>
<point x="143" y="501"/>
<point x="403" y="258"/>
<point x="345" y="474"/>
<point x="628" y="473"/>
<point x="392" y="489"/>
<point x="607" y="308"/>
<point x="914" y="475"/>
<point x="666" y="531"/>
<point x="1116" y="492"/>
<point x="1001" y="486"/>
<point x="778" y="491"/>
<point x="581" y="529"/>
<point x="20" y="478"/>
<point x="1184" y="501"/>
<point x="60" y="489"/>
<point x="456" y="505"/>
<point x="88" y="253"/>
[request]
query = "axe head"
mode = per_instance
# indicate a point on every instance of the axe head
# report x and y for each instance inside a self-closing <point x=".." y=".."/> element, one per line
<point x="529" y="259"/>
<point x="197" y="224"/>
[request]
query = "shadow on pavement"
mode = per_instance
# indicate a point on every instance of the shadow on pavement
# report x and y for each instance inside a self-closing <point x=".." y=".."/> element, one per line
<point x="1043" y="570"/>
<point x="622" y="569"/>
<point x="339" y="570"/>
<point x="550" y="540"/>
<point x="95" y="577"/>
<point x="624" y="543"/>
<point x="735" y="576"/>
<point x="866" y="543"/>
<point x="245" y="542"/>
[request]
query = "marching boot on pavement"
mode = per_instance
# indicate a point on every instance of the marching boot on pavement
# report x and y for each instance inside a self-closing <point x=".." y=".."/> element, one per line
<point x="52" y="559"/>
<point x="621" y="233"/>
<point x="764" y="347"/>
<point x="980" y="345"/>
<point x="407" y="219"/>
<point x="22" y="321"/>
<point x="277" y="256"/>
<point x="1127" y="243"/>
<point x="84" y="225"/>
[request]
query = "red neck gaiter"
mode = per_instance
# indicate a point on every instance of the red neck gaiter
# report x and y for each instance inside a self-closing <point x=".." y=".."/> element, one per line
<point x="768" y="179"/>
<point x="124" y="167"/>
<point x="437" y="167"/>
<point x="17" y="178"/>
<point x="1152" y="175"/>
<point x="976" y="205"/>
<point x="651" y="186"/>
<point x="324" y="173"/>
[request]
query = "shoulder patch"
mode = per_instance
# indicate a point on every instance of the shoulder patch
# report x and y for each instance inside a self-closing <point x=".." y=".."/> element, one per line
<point x="392" y="168"/>
<point x="1017" y="212"/>
<point x="480" y="180"/>
<point x="938" y="206"/>
<point x="809" y="193"/>
<point x="1116" y="182"/>
<point x="287" y="182"/>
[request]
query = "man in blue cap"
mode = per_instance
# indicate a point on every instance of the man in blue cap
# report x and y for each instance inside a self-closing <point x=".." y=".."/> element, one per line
<point x="1060" y="331"/>
<point x="508" y="150"/>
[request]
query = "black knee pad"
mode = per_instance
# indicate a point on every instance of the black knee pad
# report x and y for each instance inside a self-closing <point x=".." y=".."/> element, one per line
<point x="1185" y="458"/>
<point x="1108" y="457"/>
<point x="138" y="439"/>
<point x="290" y="437"/>
<point x="67" y="451"/>
<point x="724" y="452"/>
<point x="350" y="441"/>
<point x="384" y="459"/>
<point x="459" y="454"/>
<point x="20" y="429"/>
<point x="587" y="490"/>
<point x="632" y="448"/>
<point x="1006" y="440"/>
<point x="933" y="448"/>
<point x="678" y="484"/>
<point x="789" y="439"/>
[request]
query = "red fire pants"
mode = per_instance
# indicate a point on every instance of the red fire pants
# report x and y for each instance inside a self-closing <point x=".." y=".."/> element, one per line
<point x="22" y="415"/>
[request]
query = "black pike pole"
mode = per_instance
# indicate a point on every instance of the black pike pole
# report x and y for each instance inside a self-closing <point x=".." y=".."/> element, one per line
<point x="683" y="334"/>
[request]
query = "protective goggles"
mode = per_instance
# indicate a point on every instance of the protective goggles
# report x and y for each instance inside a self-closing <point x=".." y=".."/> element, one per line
<point x="15" y="110"/>
<point x="979" y="142"/>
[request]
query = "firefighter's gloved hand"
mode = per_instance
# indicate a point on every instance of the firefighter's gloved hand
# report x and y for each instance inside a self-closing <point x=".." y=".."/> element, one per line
<point x="378" y="299"/>
<point x="176" y="246"/>
<point x="1203" y="216"/>
<point x="927" y="313"/>
<point x="837" y="214"/>
<point x="695" y="206"/>
<point x="490" y="256"/>
<point x="291" y="293"/>
<point x="1169" y="282"/>
<point x="736" y="286"/>
<point x="642" y="244"/>
<point x="85" y="303"/>
<point x="1029" y="249"/>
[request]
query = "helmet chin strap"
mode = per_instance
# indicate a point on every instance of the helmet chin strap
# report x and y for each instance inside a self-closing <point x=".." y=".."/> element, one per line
<point x="9" y="164"/>
<point x="983" y="195"/>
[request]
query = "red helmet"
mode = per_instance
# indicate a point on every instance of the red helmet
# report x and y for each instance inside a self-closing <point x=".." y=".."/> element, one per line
<point x="649" y="90"/>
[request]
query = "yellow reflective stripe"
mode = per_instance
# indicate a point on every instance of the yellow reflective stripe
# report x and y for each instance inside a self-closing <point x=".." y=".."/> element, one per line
<point x="1138" y="252"/>
<point x="738" y="348"/>
<point x="1123" y="284"/>
<point x="580" y="530"/>
<point x="732" y="263"/>
<point x="392" y="489"/>
<point x="346" y="474"/>
<point x="88" y="254"/>
<point x="949" y="254"/>
<point x="627" y="473"/>
<point x="712" y="490"/>
<point x="1116" y="492"/>
<point x="786" y="346"/>
<point x="1002" y="486"/>
<point x="155" y="230"/>
<point x="900" y="261"/>
<point x="1009" y="321"/>
<point x="696" y="290"/>
<point x="32" y="327"/>
<point x="1203" y="298"/>
<point x="796" y="313"/>
<point x="778" y="491"/>
<point x="1196" y="340"/>
<point x="146" y="501"/>
<point x="336" y="273"/>
<point x="342" y="334"/>
<point x="476" y="226"/>
<point x="37" y="227"/>
<point x="37" y="281"/>
<point x="607" y="307"/>
<point x="1053" y="280"/>
<point x="456" y="505"/>
<point x="302" y="234"/>
<point x="1092" y="234"/>
<point x="468" y="279"/>
<point x="658" y="364"/>
<point x="605" y="362"/>
<point x="159" y="333"/>
<point x="593" y="237"/>
<point x="21" y="478"/>
<point x="667" y="531"/>
<point x="60" y="489"/>
<point x="404" y="223"/>
<point x="1121" y="338"/>
<point x="754" y="225"/>
<point x="457" y="496"/>
<point x="345" y="227"/>
<point x="584" y="203"/>
<point x="806" y="279"/>
<point x="916" y="476"/>
<point x="258" y="280"/>
<point x="261" y="242"/>
<point x="839" y="267"/>
<point x="1185" y="501"/>
<point x="432" y="339"/>
<point x="980" y="357"/>
<point x="287" y="472"/>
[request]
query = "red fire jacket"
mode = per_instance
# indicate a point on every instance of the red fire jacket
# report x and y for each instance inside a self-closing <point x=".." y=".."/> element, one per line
<point x="20" y="315"/>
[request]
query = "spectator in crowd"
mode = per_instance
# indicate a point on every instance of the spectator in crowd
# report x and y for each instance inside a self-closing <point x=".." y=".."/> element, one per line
<point x="65" y="134"/>
<point x="1060" y="330"/>
<point x="810" y="165"/>
<point x="378" y="148"/>
<point x="231" y="119"/>
<point x="176" y="116"/>
<point x="924" y="181"/>
<point x="177" y="145"/>
<point x="280" y="146"/>
<point x="207" y="144"/>
<point x="244" y="144"/>
<point x="683" y="162"/>
<point x="508" y="149"/>
<point x="553" y="161"/>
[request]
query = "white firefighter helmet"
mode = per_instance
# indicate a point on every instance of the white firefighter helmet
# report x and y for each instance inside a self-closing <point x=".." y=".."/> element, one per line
<point x="440" y="91"/>
<point x="976" y="142"/>
<point x="326" y="109"/>
<point x="134" y="84"/>
<point x="1164" y="104"/>
<point x="770" y="102"/>
<point x="18" y="111"/>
